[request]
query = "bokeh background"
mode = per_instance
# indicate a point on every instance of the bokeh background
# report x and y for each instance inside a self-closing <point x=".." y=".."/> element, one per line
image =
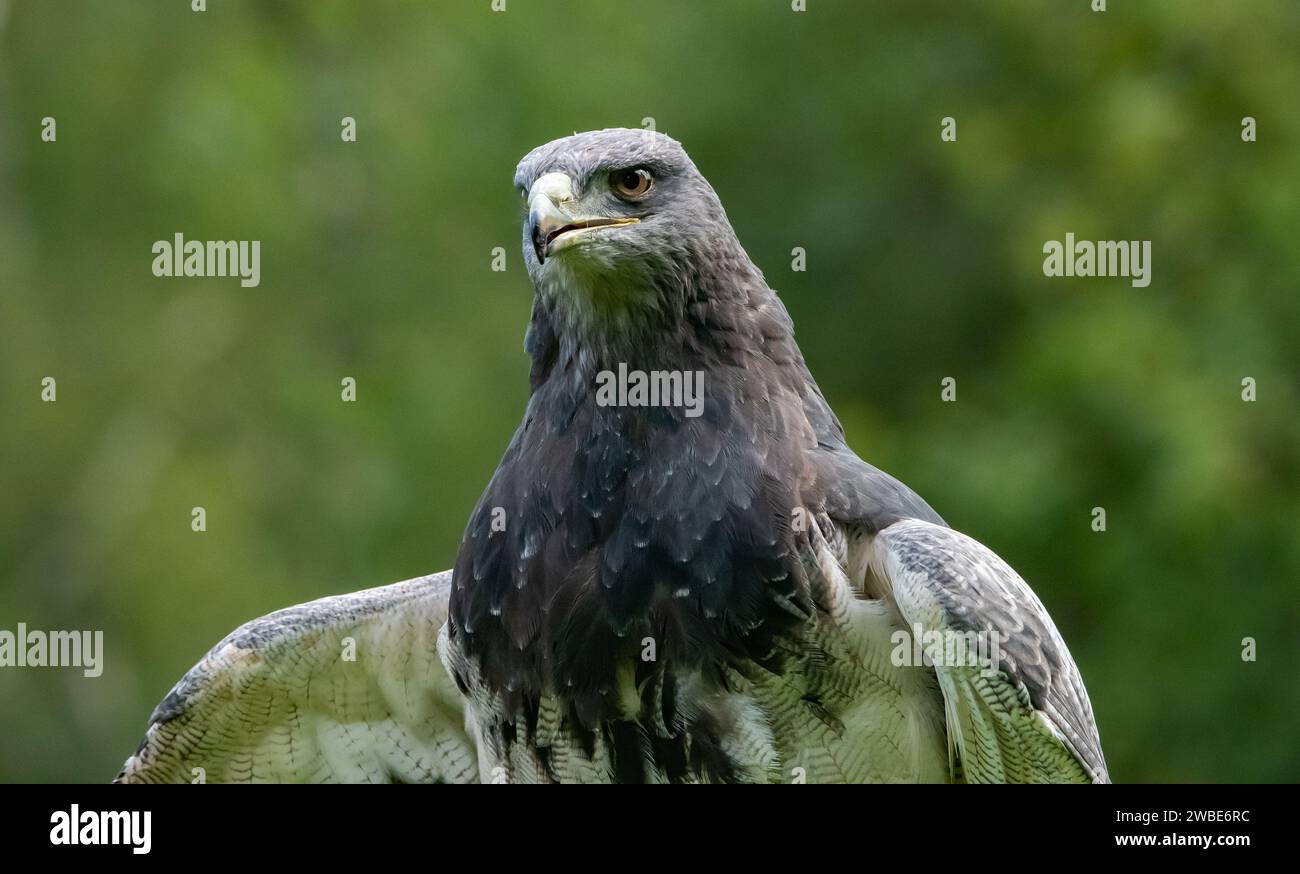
<point x="818" y="129"/>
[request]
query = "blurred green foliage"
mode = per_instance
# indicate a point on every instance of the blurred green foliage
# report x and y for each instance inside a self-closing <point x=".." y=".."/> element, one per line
<point x="819" y="130"/>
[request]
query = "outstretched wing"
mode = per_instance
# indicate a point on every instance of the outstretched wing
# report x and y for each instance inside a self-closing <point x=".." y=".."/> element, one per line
<point x="343" y="689"/>
<point x="1021" y="717"/>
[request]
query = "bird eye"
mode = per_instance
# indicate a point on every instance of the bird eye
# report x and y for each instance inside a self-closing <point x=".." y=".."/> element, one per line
<point x="631" y="183"/>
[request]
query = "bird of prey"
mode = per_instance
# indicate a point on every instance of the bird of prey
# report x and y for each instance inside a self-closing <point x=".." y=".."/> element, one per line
<point x="655" y="586"/>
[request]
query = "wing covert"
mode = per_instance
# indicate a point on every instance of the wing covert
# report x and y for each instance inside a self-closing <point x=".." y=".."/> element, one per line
<point x="1027" y="720"/>
<point x="347" y="688"/>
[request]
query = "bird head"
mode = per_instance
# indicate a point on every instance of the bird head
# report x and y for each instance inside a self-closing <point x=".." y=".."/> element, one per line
<point x="620" y="227"/>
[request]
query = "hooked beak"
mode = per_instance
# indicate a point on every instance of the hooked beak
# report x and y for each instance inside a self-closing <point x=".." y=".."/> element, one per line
<point x="551" y="224"/>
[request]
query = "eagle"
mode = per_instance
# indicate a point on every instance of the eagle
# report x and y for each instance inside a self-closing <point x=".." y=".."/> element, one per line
<point x="654" y="588"/>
